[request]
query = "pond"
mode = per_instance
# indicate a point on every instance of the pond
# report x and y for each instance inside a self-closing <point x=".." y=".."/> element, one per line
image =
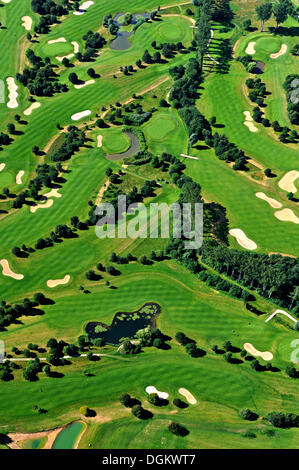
<point x="121" y="42"/>
<point x="134" y="148"/>
<point x="67" y="438"/>
<point x="259" y="67"/>
<point x="124" y="324"/>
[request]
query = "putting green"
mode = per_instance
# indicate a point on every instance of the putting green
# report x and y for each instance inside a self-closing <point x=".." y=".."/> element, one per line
<point x="160" y="126"/>
<point x="168" y="32"/>
<point x="58" y="48"/>
<point x="268" y="44"/>
<point x="6" y="179"/>
<point x="115" y="141"/>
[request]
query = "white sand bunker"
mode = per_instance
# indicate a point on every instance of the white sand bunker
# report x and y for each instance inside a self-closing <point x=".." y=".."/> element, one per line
<point x="100" y="140"/>
<point x="287" y="215"/>
<point x="266" y="355"/>
<point x="242" y="239"/>
<point x="83" y="7"/>
<point x="89" y="82"/>
<point x="189" y="397"/>
<point x="2" y="166"/>
<point x="31" y="108"/>
<point x="249" y="122"/>
<point x="19" y="177"/>
<point x="150" y="389"/>
<point x="53" y="193"/>
<point x="58" y="282"/>
<point x="76" y="46"/>
<point x="282" y="51"/>
<point x="46" y="205"/>
<point x="287" y="181"/>
<point x="53" y="41"/>
<point x="12" y="88"/>
<point x="60" y="58"/>
<point x="27" y="22"/>
<point x="77" y="116"/>
<point x="6" y="271"/>
<point x="273" y="203"/>
<point x="250" y="49"/>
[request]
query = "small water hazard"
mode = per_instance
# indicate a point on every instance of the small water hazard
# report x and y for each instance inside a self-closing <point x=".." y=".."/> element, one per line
<point x="124" y="324"/>
<point x="121" y="42"/>
<point x="134" y="148"/>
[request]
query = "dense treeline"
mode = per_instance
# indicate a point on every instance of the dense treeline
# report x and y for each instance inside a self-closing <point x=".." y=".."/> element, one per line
<point x="291" y="85"/>
<point x="73" y="140"/>
<point x="274" y="277"/>
<point x="41" y="80"/>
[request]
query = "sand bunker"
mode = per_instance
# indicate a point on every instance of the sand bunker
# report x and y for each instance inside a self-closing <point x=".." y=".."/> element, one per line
<point x="27" y="22"/>
<point x="19" y="177"/>
<point x="60" y="58"/>
<point x="58" y="282"/>
<point x="283" y="313"/>
<point x="266" y="355"/>
<point x="242" y="239"/>
<point x="49" y="203"/>
<point x="100" y="140"/>
<point x="273" y="203"/>
<point x="83" y="7"/>
<point x="53" y="193"/>
<point x="249" y="122"/>
<point x="89" y="82"/>
<point x="189" y="397"/>
<point x="101" y="192"/>
<point x="53" y="41"/>
<point x="2" y="166"/>
<point x="33" y="106"/>
<point x="150" y="389"/>
<point x="12" y="88"/>
<point x="287" y="181"/>
<point x="287" y="215"/>
<point x="77" y="116"/>
<point x="282" y="51"/>
<point x="6" y="271"/>
<point x="250" y="48"/>
<point x="76" y="46"/>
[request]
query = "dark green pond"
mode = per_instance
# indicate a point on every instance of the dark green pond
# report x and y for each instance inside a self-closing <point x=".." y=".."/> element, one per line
<point x="67" y="438"/>
<point x="124" y="324"/>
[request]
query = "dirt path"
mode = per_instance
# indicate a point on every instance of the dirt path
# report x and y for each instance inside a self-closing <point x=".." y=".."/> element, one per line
<point x="102" y="191"/>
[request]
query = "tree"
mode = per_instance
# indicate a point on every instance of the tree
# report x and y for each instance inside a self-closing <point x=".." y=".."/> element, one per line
<point x="290" y="196"/>
<point x="85" y="411"/>
<point x="280" y="13"/>
<point x="73" y="78"/>
<point x="247" y="25"/>
<point x="91" y="73"/>
<point x="247" y="414"/>
<point x="268" y="172"/>
<point x="178" y="429"/>
<point x="147" y="57"/>
<point x="264" y="13"/>
<point x="11" y="128"/>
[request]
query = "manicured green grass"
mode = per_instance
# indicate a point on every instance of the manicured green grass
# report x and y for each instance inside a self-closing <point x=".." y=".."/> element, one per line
<point x="56" y="49"/>
<point x="115" y="141"/>
<point x="188" y="305"/>
<point x="166" y="132"/>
